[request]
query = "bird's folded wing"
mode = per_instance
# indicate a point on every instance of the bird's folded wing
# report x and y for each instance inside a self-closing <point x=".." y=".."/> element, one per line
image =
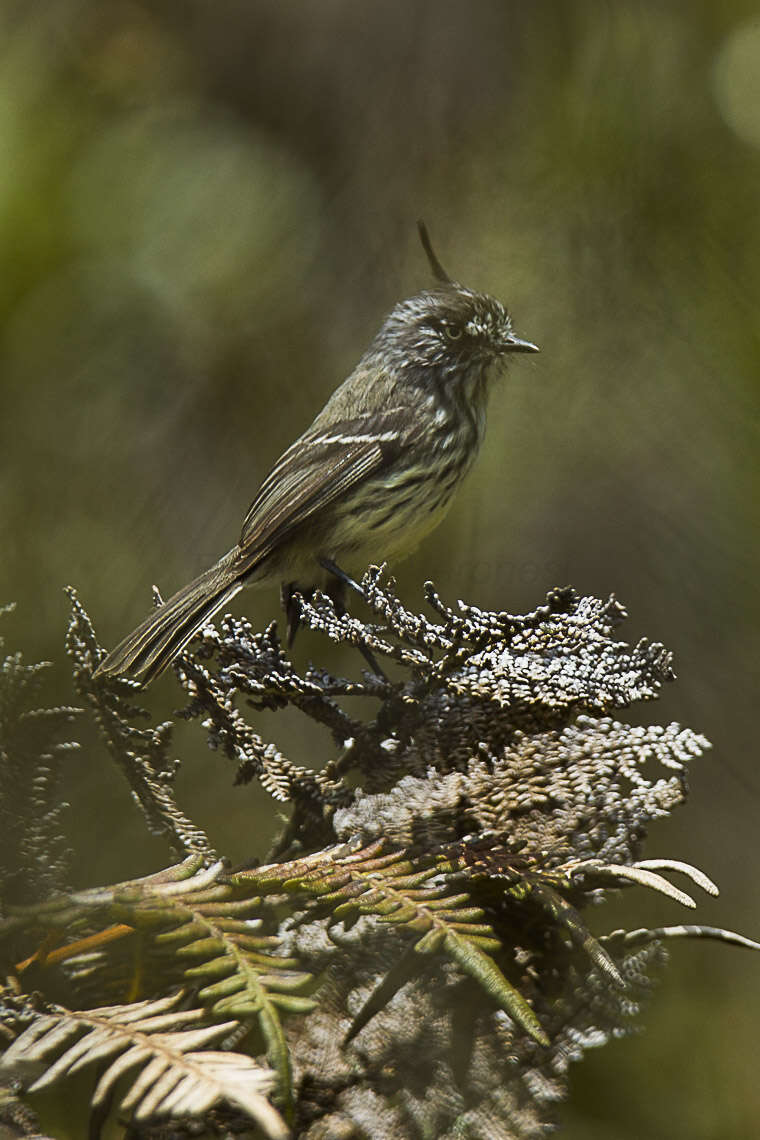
<point x="316" y="470"/>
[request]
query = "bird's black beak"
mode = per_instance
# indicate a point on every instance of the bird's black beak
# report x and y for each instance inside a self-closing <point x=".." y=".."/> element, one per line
<point x="514" y="344"/>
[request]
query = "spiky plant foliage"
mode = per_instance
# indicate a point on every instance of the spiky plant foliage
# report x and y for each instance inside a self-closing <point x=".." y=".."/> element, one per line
<point x="413" y="958"/>
<point x="177" y="1078"/>
<point x="33" y="846"/>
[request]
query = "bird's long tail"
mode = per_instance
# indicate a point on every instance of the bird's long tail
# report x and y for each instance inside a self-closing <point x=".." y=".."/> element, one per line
<point x="157" y="641"/>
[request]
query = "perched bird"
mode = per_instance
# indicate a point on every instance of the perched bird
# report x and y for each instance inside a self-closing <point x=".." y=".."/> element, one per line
<point x="373" y="475"/>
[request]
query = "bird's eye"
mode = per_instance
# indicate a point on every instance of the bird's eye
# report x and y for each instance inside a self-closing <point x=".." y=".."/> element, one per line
<point x="453" y="332"/>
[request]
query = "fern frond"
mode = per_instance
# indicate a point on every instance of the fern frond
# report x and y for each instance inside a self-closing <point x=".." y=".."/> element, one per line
<point x="646" y="935"/>
<point x="33" y="846"/>
<point x="243" y="977"/>
<point x="141" y="753"/>
<point x="178" y="1078"/>
<point x="388" y="886"/>
<point x="643" y="873"/>
<point x="188" y="923"/>
<point x="486" y="859"/>
<point x="218" y="927"/>
<point x="74" y="908"/>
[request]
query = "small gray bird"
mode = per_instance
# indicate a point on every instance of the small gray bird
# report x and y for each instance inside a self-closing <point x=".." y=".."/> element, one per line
<point x="373" y="475"/>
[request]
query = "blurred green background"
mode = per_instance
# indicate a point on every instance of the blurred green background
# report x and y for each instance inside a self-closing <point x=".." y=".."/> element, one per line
<point x="205" y="211"/>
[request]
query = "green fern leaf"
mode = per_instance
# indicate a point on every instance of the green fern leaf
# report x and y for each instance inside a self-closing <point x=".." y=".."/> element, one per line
<point x="191" y="923"/>
<point x="390" y="887"/>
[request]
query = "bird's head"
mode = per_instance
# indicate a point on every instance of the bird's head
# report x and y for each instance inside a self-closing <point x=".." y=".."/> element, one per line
<point x="449" y="328"/>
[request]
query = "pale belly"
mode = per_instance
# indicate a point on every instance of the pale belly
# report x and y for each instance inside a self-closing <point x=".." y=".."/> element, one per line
<point x="394" y="519"/>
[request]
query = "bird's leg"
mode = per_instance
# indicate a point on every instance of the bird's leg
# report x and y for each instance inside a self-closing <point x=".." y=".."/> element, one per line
<point x="335" y="588"/>
<point x="337" y="591"/>
<point x="288" y="591"/>
<point x="346" y="579"/>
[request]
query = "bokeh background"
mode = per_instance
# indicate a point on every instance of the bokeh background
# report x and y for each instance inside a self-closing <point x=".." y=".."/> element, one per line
<point x="205" y="210"/>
